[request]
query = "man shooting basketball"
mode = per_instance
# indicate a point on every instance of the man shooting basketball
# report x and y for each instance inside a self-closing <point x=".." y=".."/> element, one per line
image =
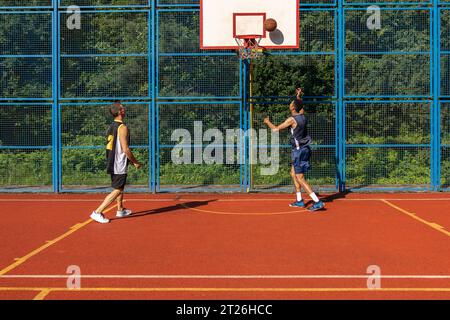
<point x="118" y="155"/>
<point x="301" y="151"/>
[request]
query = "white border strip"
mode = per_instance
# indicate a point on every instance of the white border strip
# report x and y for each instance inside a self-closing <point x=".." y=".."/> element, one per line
<point x="56" y="276"/>
<point x="216" y="200"/>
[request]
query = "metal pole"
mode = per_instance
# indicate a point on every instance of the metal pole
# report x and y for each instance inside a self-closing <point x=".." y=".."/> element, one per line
<point x="436" y="110"/>
<point x="245" y="124"/>
<point x="340" y="110"/>
<point x="56" y="164"/>
<point x="151" y="82"/>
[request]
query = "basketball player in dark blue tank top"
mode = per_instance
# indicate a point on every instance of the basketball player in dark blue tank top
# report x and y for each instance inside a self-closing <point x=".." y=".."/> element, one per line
<point x="301" y="151"/>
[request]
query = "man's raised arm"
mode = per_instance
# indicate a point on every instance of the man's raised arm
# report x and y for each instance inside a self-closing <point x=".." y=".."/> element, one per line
<point x="286" y="124"/>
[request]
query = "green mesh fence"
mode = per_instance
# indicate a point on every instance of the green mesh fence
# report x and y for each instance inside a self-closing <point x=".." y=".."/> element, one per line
<point x="83" y="139"/>
<point x="376" y="97"/>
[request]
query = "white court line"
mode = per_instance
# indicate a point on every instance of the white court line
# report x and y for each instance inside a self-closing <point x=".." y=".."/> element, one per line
<point x="288" y="199"/>
<point x="55" y="276"/>
<point x="217" y="200"/>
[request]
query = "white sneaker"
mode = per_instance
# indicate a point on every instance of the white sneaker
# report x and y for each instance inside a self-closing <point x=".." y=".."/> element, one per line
<point x="123" y="213"/>
<point x="99" y="217"/>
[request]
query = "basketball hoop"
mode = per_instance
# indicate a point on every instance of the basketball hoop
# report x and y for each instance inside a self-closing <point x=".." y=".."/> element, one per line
<point x="249" y="47"/>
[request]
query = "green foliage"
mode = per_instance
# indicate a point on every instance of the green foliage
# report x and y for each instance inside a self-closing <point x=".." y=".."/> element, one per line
<point x="27" y="3"/>
<point x="388" y="166"/>
<point x="445" y="170"/>
<point x="192" y="174"/>
<point x="401" y="30"/>
<point x="25" y="34"/>
<point x="23" y="168"/>
<point x="280" y="75"/>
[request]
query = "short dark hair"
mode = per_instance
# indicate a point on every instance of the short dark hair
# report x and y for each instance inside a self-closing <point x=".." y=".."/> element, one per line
<point x="115" y="108"/>
<point x="298" y="105"/>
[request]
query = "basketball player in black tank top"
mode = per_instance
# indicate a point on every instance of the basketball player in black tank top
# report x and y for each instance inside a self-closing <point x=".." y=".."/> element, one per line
<point x="301" y="151"/>
<point x="118" y="155"/>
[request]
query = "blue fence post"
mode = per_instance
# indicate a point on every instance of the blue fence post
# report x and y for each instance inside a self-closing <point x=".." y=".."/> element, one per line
<point x="239" y="145"/>
<point x="436" y="114"/>
<point x="245" y="96"/>
<point x="340" y="113"/>
<point x="155" y="92"/>
<point x="56" y="164"/>
<point x="336" y="94"/>
<point x="248" y="128"/>
<point x="151" y="91"/>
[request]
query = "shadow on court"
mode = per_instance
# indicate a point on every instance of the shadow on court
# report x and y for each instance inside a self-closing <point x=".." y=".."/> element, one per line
<point x="172" y="208"/>
<point x="329" y="198"/>
<point x="335" y="196"/>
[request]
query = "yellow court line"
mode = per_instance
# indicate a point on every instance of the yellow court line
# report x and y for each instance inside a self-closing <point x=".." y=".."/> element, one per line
<point x="433" y="225"/>
<point x="23" y="259"/>
<point x="211" y="289"/>
<point x="41" y="295"/>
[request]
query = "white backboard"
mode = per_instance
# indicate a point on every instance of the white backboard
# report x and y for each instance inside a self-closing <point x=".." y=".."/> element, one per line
<point x="222" y="20"/>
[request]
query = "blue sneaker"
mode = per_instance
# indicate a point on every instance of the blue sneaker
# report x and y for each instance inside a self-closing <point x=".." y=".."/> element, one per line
<point x="317" y="206"/>
<point x="299" y="204"/>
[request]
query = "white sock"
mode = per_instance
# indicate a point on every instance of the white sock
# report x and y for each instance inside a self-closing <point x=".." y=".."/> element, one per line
<point x="314" y="197"/>
<point x="299" y="196"/>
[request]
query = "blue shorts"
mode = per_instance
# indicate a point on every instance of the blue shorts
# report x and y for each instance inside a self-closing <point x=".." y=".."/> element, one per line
<point x="300" y="159"/>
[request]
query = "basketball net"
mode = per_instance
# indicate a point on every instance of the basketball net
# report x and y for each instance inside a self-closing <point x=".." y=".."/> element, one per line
<point x="249" y="47"/>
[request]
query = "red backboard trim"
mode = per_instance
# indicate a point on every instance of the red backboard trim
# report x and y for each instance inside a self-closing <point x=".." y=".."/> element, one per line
<point x="250" y="14"/>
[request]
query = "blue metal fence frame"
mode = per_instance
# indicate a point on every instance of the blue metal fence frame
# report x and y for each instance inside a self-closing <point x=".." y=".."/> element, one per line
<point x="39" y="10"/>
<point x="341" y="98"/>
<point x="392" y="145"/>
<point x="60" y="148"/>
<point x="49" y="188"/>
<point x="243" y="182"/>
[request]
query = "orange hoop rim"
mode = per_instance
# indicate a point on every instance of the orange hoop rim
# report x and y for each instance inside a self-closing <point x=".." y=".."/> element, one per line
<point x="248" y="36"/>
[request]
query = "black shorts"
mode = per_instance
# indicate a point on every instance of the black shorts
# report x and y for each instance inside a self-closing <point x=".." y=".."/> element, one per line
<point x="118" y="181"/>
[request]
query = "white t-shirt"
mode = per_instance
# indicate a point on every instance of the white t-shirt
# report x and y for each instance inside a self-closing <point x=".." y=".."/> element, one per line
<point x="120" y="158"/>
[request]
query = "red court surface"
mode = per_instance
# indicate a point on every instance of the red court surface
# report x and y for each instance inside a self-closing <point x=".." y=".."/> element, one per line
<point x="226" y="246"/>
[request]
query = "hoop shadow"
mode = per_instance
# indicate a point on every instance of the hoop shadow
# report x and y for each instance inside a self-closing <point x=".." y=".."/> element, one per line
<point x="191" y="204"/>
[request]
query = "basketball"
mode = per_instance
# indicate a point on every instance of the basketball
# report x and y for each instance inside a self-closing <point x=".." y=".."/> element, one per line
<point x="270" y="25"/>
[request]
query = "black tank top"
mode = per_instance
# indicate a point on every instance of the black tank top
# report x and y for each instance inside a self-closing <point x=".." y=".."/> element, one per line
<point x="299" y="135"/>
<point x="111" y="145"/>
